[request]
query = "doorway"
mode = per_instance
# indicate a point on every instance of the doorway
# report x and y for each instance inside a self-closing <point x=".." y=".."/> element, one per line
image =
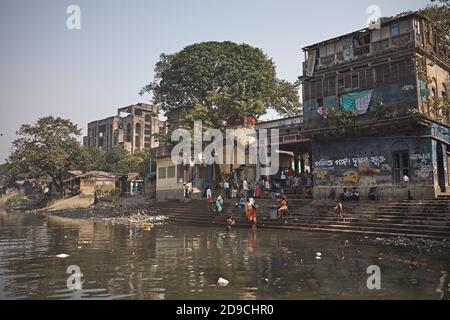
<point x="401" y="166"/>
<point x="440" y="167"/>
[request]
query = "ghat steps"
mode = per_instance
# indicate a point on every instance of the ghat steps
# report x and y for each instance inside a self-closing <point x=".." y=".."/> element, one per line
<point x="425" y="219"/>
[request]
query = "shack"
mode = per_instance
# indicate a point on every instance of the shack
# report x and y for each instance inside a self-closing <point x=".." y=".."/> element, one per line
<point x="87" y="183"/>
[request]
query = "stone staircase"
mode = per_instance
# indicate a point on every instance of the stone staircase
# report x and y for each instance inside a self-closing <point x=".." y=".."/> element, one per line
<point x="425" y="219"/>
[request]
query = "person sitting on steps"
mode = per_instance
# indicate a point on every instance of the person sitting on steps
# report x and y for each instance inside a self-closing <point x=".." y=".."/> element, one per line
<point x="283" y="207"/>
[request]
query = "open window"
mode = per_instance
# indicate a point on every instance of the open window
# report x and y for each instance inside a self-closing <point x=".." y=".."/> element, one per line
<point x="362" y="44"/>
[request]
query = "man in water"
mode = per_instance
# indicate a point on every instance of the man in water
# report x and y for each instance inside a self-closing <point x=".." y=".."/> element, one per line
<point x="230" y="222"/>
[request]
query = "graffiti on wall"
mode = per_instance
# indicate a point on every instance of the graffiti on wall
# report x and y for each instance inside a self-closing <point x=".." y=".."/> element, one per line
<point x="357" y="171"/>
<point x="376" y="161"/>
<point x="422" y="164"/>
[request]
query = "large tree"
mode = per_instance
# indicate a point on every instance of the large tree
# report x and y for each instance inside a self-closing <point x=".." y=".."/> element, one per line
<point x="47" y="149"/>
<point x="212" y="81"/>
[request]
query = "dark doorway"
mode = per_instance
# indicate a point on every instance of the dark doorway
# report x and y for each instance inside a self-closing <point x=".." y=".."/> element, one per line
<point x="401" y="166"/>
<point x="440" y="167"/>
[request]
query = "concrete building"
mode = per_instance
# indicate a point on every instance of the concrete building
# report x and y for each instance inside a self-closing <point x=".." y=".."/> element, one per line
<point x="376" y="110"/>
<point x="131" y="129"/>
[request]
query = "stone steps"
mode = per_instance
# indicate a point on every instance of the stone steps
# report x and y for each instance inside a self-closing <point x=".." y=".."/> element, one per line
<point x="408" y="218"/>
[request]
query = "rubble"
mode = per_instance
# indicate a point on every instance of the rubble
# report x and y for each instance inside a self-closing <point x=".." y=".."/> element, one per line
<point x="146" y="219"/>
<point x="416" y="242"/>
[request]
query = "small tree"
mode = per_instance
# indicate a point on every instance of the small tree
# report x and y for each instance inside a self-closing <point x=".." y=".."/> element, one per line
<point x="47" y="149"/>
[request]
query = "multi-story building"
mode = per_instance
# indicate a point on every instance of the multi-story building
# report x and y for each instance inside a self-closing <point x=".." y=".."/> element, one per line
<point x="376" y="110"/>
<point x="131" y="129"/>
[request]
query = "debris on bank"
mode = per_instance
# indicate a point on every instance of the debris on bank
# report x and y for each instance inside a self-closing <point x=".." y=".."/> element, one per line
<point x="146" y="219"/>
<point x="136" y="219"/>
<point x="416" y="242"/>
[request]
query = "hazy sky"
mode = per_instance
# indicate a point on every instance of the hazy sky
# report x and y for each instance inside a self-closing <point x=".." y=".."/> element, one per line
<point x="84" y="75"/>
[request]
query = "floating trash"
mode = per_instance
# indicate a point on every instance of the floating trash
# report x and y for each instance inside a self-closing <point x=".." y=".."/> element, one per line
<point x="62" y="255"/>
<point x="222" y="282"/>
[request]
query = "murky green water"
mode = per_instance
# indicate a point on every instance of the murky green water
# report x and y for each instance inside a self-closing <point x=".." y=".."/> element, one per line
<point x="175" y="262"/>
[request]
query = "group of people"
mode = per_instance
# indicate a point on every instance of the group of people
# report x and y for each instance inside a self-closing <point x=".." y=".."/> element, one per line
<point x="245" y="189"/>
<point x="350" y="195"/>
<point x="301" y="183"/>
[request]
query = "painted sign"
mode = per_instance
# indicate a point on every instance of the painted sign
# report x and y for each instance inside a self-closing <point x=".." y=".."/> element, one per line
<point x="376" y="161"/>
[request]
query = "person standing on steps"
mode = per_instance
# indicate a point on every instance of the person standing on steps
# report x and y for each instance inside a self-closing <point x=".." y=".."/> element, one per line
<point x="226" y="187"/>
<point x="219" y="204"/>
<point x="245" y="188"/>
<point x="406" y="182"/>
<point x="283" y="179"/>
<point x="210" y="199"/>
<point x="339" y="211"/>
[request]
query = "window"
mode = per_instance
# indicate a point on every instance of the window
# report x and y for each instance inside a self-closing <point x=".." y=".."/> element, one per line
<point x="434" y="89"/>
<point x="444" y="92"/>
<point x="341" y="82"/>
<point x="355" y="81"/>
<point x="162" y="173"/>
<point x="394" y="30"/>
<point x="171" y="172"/>
<point x="401" y="166"/>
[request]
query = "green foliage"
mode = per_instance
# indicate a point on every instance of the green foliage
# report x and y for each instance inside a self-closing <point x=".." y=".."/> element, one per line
<point x="47" y="149"/>
<point x="138" y="162"/>
<point x="383" y="112"/>
<point x="439" y="108"/>
<point x="15" y="199"/>
<point x="5" y="174"/>
<point x="338" y="117"/>
<point x="212" y="81"/>
<point x="439" y="13"/>
<point x="117" y="161"/>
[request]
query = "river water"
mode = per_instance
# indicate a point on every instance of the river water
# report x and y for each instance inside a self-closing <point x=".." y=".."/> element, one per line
<point x="174" y="262"/>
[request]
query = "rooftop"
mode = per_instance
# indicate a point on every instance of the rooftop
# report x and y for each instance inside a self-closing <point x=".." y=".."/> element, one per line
<point x="384" y="22"/>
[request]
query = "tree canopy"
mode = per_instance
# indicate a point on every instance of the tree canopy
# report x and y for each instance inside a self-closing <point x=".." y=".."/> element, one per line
<point x="212" y="81"/>
<point x="117" y="161"/>
<point x="47" y="149"/>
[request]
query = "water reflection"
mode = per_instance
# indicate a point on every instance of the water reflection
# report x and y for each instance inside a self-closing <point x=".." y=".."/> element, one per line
<point x="171" y="262"/>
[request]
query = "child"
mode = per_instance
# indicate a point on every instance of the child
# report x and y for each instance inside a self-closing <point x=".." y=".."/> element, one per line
<point x="338" y="210"/>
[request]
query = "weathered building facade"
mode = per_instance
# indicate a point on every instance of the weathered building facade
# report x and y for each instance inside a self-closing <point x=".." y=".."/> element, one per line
<point x="376" y="110"/>
<point x="131" y="129"/>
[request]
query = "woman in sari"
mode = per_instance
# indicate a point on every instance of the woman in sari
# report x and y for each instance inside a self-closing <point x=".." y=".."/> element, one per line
<point x="253" y="217"/>
<point x="219" y="204"/>
<point x="257" y="190"/>
<point x="248" y="210"/>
